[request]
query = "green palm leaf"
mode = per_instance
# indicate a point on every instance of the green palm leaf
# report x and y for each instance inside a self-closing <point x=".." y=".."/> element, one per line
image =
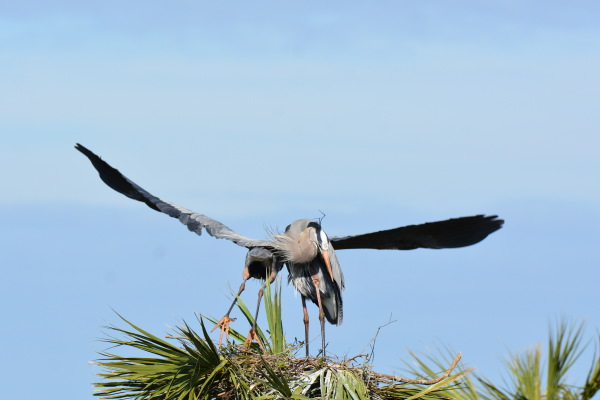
<point x="188" y="365"/>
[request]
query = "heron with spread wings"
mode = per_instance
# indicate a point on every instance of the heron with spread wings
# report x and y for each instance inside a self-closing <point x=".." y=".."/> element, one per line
<point x="305" y="248"/>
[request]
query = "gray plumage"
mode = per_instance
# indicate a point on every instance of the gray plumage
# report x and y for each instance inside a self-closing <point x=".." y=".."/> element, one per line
<point x="195" y="222"/>
<point x="307" y="263"/>
<point x="304" y="247"/>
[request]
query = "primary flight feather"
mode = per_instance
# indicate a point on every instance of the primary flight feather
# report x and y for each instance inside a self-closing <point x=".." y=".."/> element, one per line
<point x="304" y="248"/>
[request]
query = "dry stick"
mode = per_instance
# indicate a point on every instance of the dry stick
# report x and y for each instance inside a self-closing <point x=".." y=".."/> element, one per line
<point x="348" y="361"/>
<point x="424" y="381"/>
<point x="374" y="339"/>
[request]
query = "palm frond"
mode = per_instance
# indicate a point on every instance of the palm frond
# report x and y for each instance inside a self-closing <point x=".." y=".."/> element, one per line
<point x="592" y="382"/>
<point x="331" y="383"/>
<point x="564" y="348"/>
<point x="188" y="366"/>
<point x="273" y="312"/>
<point x="172" y="372"/>
<point x="428" y="366"/>
<point x="525" y="371"/>
<point x="529" y="378"/>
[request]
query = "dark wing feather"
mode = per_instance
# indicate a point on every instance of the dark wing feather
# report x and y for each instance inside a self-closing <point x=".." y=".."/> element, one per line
<point x="194" y="221"/>
<point x="456" y="232"/>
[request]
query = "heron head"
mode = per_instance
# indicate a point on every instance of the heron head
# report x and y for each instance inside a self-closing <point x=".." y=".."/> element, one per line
<point x="303" y="241"/>
<point x="321" y="242"/>
<point x="318" y="236"/>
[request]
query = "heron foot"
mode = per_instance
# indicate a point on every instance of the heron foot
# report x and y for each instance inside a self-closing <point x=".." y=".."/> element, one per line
<point x="224" y="325"/>
<point x="252" y="336"/>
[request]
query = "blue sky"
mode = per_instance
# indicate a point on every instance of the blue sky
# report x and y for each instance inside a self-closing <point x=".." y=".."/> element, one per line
<point x="379" y="115"/>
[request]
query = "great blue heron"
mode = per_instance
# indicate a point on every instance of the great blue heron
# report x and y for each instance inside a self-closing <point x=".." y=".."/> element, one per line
<point x="304" y="248"/>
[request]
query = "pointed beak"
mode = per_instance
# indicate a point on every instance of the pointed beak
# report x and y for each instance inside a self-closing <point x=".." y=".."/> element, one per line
<point x="325" y="255"/>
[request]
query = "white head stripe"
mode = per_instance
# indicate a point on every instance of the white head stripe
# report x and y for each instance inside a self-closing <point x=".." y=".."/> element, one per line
<point x="323" y="239"/>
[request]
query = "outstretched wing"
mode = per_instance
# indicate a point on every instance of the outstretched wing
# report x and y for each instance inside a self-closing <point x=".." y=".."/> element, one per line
<point x="456" y="232"/>
<point x="194" y="221"/>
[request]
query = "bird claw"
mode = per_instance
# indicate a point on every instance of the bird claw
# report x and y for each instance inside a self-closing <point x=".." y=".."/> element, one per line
<point x="252" y="336"/>
<point x="224" y="325"/>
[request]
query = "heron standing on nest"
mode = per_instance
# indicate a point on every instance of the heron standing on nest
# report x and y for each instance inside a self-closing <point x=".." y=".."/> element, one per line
<point x="304" y="248"/>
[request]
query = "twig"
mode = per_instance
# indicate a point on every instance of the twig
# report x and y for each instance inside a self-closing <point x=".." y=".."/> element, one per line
<point x="354" y="358"/>
<point x="374" y="339"/>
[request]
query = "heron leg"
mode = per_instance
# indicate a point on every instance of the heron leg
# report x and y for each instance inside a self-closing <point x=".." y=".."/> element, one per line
<point x="305" y="325"/>
<point x="224" y="322"/>
<point x="315" y="280"/>
<point x="252" y="334"/>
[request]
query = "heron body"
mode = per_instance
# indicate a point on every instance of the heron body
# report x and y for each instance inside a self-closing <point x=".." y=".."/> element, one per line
<point x="308" y="253"/>
<point x="302" y="271"/>
<point x="260" y="262"/>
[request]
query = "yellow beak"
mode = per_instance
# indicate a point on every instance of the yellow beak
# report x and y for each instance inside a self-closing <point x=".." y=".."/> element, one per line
<point x="325" y="255"/>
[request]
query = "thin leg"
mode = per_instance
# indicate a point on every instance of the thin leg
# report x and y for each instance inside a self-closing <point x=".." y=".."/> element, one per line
<point x="224" y="322"/>
<point x="260" y="295"/>
<point x="252" y="334"/>
<point x="305" y="325"/>
<point x="315" y="280"/>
